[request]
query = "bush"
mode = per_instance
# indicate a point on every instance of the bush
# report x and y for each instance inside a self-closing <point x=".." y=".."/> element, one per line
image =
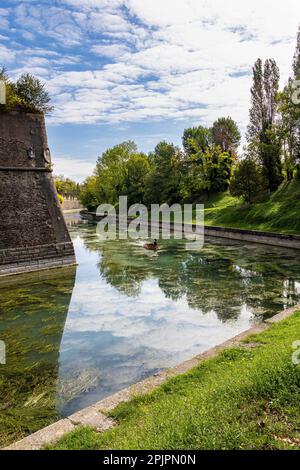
<point x="247" y="181"/>
<point x="28" y="94"/>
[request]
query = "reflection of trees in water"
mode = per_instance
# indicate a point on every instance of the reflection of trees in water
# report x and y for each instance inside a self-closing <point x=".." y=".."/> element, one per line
<point x="33" y="311"/>
<point x="221" y="278"/>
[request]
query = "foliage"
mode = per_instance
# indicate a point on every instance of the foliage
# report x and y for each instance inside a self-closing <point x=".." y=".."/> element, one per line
<point x="209" y="158"/>
<point x="120" y="170"/>
<point x="226" y="134"/>
<point x="66" y="187"/>
<point x="196" y="139"/>
<point x="164" y="179"/>
<point x="60" y="198"/>
<point x="288" y="127"/>
<point x="296" y="61"/>
<point x="28" y="93"/>
<point x="262" y="135"/>
<point x="277" y="213"/>
<point x="91" y="194"/>
<point x="247" y="180"/>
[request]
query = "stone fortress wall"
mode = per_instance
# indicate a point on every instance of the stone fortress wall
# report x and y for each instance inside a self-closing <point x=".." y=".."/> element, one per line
<point x="33" y="233"/>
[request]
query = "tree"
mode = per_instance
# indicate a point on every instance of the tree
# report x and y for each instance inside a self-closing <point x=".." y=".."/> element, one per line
<point x="120" y="171"/>
<point x="247" y="180"/>
<point x="296" y="61"/>
<point x="262" y="135"/>
<point x="226" y="134"/>
<point x="12" y="99"/>
<point x="216" y="169"/>
<point x="33" y="94"/>
<point x="289" y="122"/>
<point x="111" y="171"/>
<point x="196" y="139"/>
<point x="66" y="187"/>
<point x="28" y="94"/>
<point x="90" y="195"/>
<point x="137" y="168"/>
<point x="289" y="128"/>
<point x="164" y="180"/>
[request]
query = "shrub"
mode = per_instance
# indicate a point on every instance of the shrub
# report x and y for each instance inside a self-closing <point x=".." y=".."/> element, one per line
<point x="28" y="94"/>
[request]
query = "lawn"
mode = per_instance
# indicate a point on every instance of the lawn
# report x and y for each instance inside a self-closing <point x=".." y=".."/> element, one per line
<point x="245" y="398"/>
<point x="279" y="213"/>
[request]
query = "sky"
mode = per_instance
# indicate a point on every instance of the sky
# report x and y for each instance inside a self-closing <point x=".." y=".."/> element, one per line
<point x="142" y="70"/>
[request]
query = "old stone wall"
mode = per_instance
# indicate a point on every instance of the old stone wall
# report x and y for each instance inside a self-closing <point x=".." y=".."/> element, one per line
<point x="71" y="204"/>
<point x="32" y="227"/>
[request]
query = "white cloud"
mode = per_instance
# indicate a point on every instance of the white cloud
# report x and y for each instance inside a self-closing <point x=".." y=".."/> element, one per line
<point x="6" y="55"/>
<point x="4" y="21"/>
<point x="110" y="50"/>
<point x="77" y="170"/>
<point x="171" y="59"/>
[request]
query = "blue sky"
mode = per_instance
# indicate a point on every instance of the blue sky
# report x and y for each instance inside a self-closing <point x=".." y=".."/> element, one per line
<point x="141" y="69"/>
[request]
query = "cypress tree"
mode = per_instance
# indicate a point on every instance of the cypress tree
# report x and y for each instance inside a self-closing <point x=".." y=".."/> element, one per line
<point x="296" y="62"/>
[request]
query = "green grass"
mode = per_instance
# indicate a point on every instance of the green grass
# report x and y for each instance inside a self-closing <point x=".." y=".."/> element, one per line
<point x="245" y="398"/>
<point x="280" y="213"/>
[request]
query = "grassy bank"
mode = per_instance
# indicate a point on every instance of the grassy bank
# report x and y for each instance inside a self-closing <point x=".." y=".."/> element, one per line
<point x="245" y="398"/>
<point x="280" y="213"/>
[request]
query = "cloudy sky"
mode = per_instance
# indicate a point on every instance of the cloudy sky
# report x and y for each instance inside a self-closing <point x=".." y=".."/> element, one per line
<point x="141" y="69"/>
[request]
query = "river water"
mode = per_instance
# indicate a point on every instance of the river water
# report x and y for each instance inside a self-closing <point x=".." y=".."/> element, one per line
<point x="76" y="335"/>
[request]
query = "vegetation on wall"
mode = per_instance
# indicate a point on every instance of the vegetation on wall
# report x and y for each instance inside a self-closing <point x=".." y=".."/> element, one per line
<point x="28" y="93"/>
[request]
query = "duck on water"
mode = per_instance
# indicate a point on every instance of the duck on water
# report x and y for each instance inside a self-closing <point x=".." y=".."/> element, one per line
<point x="151" y="246"/>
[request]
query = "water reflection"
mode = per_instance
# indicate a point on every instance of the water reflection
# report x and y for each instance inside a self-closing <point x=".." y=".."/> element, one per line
<point x="33" y="310"/>
<point x="222" y="277"/>
<point x="131" y="314"/>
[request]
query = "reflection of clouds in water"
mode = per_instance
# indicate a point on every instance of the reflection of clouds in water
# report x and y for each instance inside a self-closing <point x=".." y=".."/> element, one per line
<point x="127" y="338"/>
<point x="132" y="315"/>
<point x="150" y="318"/>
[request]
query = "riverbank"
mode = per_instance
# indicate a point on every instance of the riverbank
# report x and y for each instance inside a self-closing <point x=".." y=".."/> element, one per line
<point x="280" y="213"/>
<point x="247" y="397"/>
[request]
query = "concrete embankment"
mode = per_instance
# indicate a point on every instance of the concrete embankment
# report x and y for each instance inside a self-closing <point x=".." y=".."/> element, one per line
<point x="249" y="236"/>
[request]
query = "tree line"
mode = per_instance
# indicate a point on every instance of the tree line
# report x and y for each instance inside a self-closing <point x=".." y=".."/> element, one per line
<point x="208" y="161"/>
<point x="168" y="174"/>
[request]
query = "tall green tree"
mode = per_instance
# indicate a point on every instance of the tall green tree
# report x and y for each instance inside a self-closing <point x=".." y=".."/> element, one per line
<point x="196" y="139"/>
<point x="261" y="134"/>
<point x="91" y="194"/>
<point x="164" y="180"/>
<point x="66" y="187"/>
<point x="247" y="180"/>
<point x="289" y="127"/>
<point x="296" y="61"/>
<point x="122" y="171"/>
<point x="226" y="134"/>
<point x="289" y="122"/>
<point x="33" y="94"/>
